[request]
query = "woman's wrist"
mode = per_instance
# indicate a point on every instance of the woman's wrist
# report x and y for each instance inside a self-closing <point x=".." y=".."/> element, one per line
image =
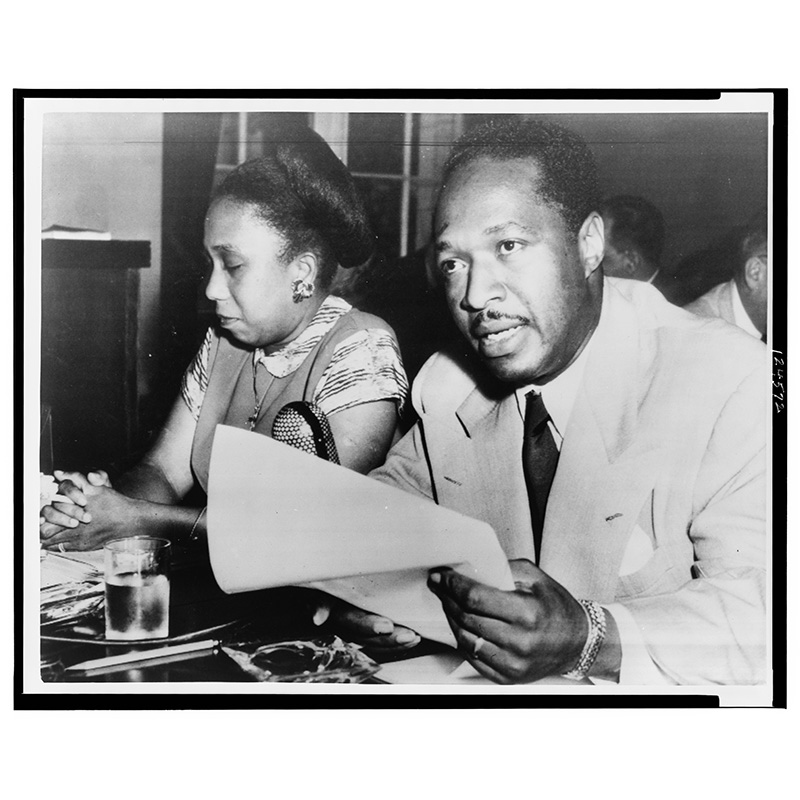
<point x="176" y="523"/>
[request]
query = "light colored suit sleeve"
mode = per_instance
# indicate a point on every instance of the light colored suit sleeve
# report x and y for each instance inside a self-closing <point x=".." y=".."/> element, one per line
<point x="406" y="466"/>
<point x="713" y="629"/>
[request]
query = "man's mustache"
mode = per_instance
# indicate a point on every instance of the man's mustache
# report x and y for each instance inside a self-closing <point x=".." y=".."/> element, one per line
<point x="492" y="315"/>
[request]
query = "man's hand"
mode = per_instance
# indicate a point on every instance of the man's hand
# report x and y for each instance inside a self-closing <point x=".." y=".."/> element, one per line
<point x="376" y="634"/>
<point x="536" y="631"/>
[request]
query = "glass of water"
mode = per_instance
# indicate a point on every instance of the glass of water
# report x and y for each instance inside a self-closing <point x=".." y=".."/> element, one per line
<point x="137" y="588"/>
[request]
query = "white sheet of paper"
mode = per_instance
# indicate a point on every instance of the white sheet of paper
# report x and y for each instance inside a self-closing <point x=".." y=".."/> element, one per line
<point x="57" y="568"/>
<point x="451" y="668"/>
<point x="446" y="667"/>
<point x="280" y="517"/>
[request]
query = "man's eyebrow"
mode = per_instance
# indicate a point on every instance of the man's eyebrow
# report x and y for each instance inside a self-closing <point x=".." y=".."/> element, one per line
<point x="503" y="227"/>
<point x="442" y="245"/>
<point x="492" y="230"/>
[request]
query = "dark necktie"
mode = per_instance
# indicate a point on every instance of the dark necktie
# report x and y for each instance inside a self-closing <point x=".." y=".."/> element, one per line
<point x="539" y="459"/>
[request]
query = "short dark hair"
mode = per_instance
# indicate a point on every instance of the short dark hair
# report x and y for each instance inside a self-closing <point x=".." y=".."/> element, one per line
<point x="302" y="190"/>
<point x="636" y="223"/>
<point x="568" y="170"/>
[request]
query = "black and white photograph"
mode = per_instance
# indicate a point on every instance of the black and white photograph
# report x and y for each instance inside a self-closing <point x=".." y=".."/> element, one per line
<point x="382" y="396"/>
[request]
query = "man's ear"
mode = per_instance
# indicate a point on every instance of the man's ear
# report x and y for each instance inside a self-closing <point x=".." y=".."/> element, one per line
<point x="755" y="272"/>
<point x="591" y="241"/>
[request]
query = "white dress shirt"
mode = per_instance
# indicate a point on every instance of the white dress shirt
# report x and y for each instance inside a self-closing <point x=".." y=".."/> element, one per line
<point x="558" y="395"/>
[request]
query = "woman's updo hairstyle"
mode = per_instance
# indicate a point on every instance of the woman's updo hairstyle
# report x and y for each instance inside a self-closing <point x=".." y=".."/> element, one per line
<point x="303" y="191"/>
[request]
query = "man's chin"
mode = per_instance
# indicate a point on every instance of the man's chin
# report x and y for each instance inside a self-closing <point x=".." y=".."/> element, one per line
<point x="509" y="370"/>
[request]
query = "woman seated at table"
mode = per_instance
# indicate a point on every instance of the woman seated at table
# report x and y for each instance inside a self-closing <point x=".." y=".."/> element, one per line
<point x="275" y="231"/>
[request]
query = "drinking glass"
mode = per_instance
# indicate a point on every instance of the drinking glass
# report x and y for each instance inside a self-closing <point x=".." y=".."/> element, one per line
<point x="137" y="588"/>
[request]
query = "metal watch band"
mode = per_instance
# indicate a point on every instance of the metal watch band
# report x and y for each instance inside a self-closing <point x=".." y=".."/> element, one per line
<point x="596" y="616"/>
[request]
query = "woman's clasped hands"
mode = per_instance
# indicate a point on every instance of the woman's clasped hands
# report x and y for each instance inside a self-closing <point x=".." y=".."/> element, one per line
<point x="91" y="513"/>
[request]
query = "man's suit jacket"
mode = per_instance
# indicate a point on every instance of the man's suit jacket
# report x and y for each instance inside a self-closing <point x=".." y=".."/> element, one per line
<point x="665" y="446"/>
<point x="717" y="302"/>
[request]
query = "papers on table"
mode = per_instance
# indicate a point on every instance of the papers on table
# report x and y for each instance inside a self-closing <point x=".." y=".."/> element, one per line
<point x="280" y="517"/>
<point x="71" y="585"/>
<point x="59" y="568"/>
<point x="449" y="667"/>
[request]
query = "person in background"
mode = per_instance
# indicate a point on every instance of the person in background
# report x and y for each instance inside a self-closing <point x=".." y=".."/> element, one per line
<point x="742" y="300"/>
<point x="275" y="231"/>
<point x="615" y="443"/>
<point x="634" y="235"/>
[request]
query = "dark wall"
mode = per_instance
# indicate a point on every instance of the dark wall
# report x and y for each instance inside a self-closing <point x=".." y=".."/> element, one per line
<point x="191" y="142"/>
<point x="706" y="172"/>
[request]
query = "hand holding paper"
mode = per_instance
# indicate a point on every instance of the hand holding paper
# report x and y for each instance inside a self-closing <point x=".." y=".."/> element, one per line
<point x="279" y="517"/>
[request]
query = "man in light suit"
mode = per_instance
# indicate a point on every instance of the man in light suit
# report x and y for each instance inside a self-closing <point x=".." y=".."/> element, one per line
<point x="651" y="567"/>
<point x="742" y="300"/>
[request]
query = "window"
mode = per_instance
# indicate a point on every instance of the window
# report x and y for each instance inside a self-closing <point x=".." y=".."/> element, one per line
<point x="243" y="135"/>
<point x="395" y="159"/>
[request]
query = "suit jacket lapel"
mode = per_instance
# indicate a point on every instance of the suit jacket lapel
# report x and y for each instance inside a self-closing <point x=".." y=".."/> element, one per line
<point x="605" y="471"/>
<point x="486" y="456"/>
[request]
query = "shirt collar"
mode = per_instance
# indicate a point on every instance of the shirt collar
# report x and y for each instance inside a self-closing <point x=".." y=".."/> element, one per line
<point x="285" y="361"/>
<point x="559" y="394"/>
<point x="740" y="314"/>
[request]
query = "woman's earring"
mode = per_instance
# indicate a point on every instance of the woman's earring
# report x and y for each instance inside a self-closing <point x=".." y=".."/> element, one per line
<point x="301" y="290"/>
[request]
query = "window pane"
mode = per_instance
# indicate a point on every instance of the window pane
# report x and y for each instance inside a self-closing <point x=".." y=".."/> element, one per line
<point x="413" y="232"/>
<point x="375" y="143"/>
<point x="382" y="200"/>
<point x="262" y="127"/>
<point x="228" y="139"/>
<point x="415" y="143"/>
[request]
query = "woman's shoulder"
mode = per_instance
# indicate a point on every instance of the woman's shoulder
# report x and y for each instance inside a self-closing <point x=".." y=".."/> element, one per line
<point x="357" y="320"/>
